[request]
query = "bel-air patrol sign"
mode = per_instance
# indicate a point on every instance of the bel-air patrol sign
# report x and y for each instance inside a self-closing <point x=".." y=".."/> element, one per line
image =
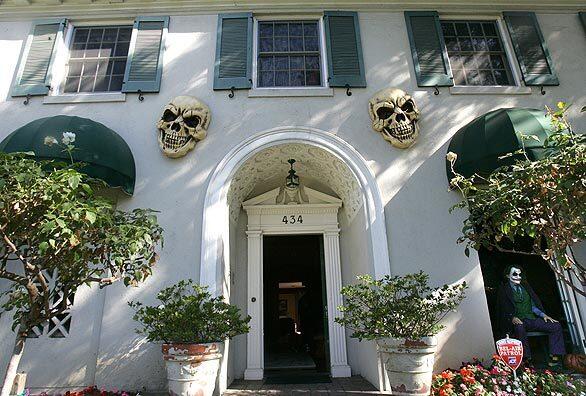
<point x="511" y="351"/>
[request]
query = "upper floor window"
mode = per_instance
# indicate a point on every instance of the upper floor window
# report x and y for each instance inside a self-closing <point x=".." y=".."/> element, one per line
<point x="97" y="59"/>
<point x="289" y="54"/>
<point x="476" y="53"/>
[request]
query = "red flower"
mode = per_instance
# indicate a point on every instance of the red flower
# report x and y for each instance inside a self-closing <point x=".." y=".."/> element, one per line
<point x="447" y="375"/>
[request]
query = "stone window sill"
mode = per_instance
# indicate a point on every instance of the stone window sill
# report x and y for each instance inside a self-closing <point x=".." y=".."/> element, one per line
<point x="490" y="90"/>
<point x="289" y="92"/>
<point x="86" y="98"/>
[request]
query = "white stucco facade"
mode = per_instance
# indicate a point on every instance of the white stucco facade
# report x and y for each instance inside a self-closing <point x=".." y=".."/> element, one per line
<point x="403" y="222"/>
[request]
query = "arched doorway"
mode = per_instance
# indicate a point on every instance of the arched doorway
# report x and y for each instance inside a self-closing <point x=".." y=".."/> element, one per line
<point x="218" y="230"/>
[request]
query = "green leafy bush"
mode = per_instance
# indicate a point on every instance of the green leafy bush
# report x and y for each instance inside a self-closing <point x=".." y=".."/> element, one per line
<point x="189" y="314"/>
<point x="399" y="306"/>
<point x="543" y="201"/>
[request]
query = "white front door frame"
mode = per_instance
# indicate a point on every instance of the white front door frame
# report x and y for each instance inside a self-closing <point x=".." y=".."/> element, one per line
<point x="316" y="219"/>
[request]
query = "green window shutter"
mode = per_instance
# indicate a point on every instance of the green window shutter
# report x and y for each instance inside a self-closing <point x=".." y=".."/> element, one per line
<point x="144" y="66"/>
<point x="344" y="49"/>
<point x="34" y="73"/>
<point x="582" y="16"/>
<point x="428" y="49"/>
<point x="233" y="66"/>
<point x="530" y="48"/>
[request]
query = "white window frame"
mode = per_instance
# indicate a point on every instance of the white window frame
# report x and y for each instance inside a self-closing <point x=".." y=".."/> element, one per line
<point x="322" y="90"/>
<point x="517" y="86"/>
<point x="61" y="64"/>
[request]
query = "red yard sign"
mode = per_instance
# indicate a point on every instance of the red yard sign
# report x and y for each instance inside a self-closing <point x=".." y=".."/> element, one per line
<point x="511" y="351"/>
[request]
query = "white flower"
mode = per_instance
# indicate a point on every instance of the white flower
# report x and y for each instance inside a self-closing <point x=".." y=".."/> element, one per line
<point x="68" y="138"/>
<point x="451" y="156"/>
<point x="50" y="140"/>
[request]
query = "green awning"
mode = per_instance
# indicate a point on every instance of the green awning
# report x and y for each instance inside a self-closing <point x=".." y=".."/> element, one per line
<point x="105" y="153"/>
<point x="480" y="143"/>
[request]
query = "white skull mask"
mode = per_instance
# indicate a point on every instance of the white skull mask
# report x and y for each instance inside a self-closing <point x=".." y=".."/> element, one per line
<point x="515" y="275"/>
<point x="394" y="115"/>
<point x="184" y="122"/>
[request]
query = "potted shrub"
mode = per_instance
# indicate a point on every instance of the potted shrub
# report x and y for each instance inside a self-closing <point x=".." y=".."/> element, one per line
<point x="192" y="326"/>
<point x="402" y="314"/>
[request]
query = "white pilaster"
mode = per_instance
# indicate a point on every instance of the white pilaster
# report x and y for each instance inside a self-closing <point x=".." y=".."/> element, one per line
<point x="255" y="344"/>
<point x="337" y="333"/>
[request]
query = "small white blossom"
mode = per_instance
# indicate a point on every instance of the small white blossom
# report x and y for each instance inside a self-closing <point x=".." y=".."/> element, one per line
<point x="50" y="140"/>
<point x="68" y="137"/>
<point x="451" y="157"/>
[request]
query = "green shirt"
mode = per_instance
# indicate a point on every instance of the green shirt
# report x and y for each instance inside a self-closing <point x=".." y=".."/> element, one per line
<point x="523" y="303"/>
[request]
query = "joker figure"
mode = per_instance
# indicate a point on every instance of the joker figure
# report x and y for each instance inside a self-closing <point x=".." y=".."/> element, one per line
<point x="520" y="311"/>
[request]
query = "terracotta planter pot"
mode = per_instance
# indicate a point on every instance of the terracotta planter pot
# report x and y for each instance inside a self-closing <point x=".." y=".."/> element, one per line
<point x="192" y="369"/>
<point x="409" y="364"/>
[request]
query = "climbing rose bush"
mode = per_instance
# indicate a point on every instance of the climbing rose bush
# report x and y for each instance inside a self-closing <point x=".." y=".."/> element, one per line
<point x="497" y="380"/>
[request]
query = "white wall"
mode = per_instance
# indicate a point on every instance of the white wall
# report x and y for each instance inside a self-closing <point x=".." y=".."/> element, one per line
<point x="421" y="232"/>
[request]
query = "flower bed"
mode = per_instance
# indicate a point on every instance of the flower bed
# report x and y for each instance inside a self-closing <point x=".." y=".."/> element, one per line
<point x="89" y="391"/>
<point x="497" y="380"/>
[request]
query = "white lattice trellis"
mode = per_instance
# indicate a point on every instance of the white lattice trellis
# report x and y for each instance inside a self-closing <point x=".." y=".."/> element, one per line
<point x="56" y="327"/>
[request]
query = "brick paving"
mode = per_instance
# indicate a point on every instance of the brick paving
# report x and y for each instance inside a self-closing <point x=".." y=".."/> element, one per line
<point x="338" y="387"/>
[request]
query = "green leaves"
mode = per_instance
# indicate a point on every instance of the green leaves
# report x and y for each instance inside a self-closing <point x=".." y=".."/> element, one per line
<point x="400" y="306"/>
<point x="50" y="213"/>
<point x="188" y="313"/>
<point x="543" y="201"/>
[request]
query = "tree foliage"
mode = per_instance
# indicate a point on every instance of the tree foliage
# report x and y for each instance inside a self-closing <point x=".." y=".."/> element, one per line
<point x="543" y="201"/>
<point x="189" y="314"/>
<point x="52" y="221"/>
<point x="399" y="306"/>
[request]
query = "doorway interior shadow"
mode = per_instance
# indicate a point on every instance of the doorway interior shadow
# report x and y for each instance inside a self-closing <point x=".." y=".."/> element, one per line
<point x="295" y="313"/>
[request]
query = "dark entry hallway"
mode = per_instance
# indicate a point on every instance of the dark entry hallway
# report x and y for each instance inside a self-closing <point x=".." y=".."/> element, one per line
<point x="295" y="326"/>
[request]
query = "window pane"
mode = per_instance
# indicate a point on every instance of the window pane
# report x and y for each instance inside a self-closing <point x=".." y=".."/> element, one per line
<point x="313" y="78"/>
<point x="296" y="29"/>
<point x="282" y="79"/>
<point x="87" y="84"/>
<point x="266" y="63"/>
<point x="102" y="83"/>
<point x="110" y="35"/>
<point x="297" y="63"/>
<point x="475" y="29"/>
<point x="296" y="43"/>
<point x="297" y="78"/>
<point x="266" y="44"/>
<point x="281" y="29"/>
<point x="124" y="34"/>
<point x="104" y="54"/>
<point x="312" y="62"/>
<point x="265" y="29"/>
<point x="281" y="44"/>
<point x="71" y="84"/>
<point x="462" y="29"/>
<point x="116" y="83"/>
<point x="90" y="68"/>
<point x="310" y="28"/>
<point x="122" y="49"/>
<point x="281" y="62"/>
<point x="96" y="35"/>
<point x="476" y="53"/>
<point x="75" y="68"/>
<point x="81" y="35"/>
<point x="489" y="29"/>
<point x="93" y="50"/>
<point x="311" y="44"/>
<point x="266" y="79"/>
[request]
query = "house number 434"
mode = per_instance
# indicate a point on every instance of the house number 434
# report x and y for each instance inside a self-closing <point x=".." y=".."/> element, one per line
<point x="292" y="219"/>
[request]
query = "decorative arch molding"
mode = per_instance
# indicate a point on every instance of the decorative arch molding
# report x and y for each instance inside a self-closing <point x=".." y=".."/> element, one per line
<point x="215" y="244"/>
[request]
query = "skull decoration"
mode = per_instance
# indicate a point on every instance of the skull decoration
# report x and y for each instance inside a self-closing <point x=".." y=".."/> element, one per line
<point x="394" y="115"/>
<point x="184" y="122"/>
